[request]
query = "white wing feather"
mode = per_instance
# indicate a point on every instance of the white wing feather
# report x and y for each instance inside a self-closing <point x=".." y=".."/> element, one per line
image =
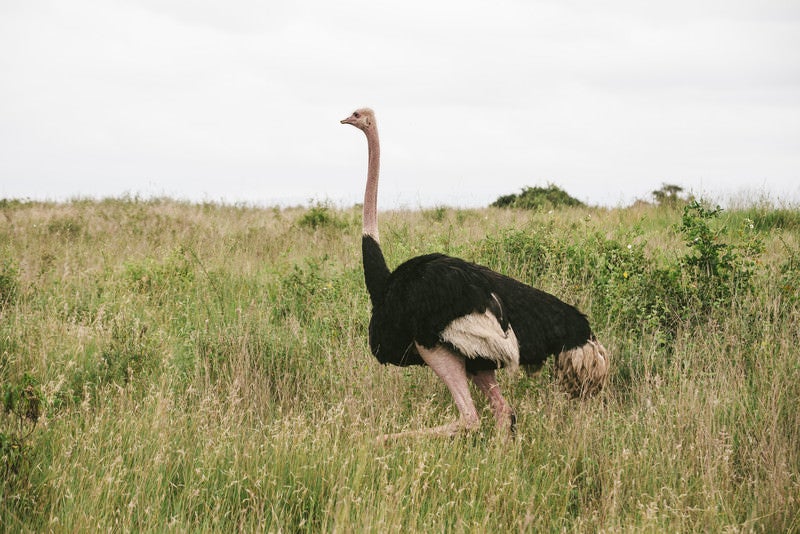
<point x="479" y="335"/>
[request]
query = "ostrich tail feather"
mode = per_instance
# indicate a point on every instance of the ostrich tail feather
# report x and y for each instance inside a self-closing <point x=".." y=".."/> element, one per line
<point x="582" y="371"/>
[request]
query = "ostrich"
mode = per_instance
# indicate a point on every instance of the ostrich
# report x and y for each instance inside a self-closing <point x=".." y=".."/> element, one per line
<point x="464" y="320"/>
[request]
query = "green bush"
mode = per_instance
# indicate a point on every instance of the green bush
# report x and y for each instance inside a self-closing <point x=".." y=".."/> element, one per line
<point x="321" y="215"/>
<point x="527" y="253"/>
<point x="716" y="270"/>
<point x="537" y="198"/>
<point x="628" y="289"/>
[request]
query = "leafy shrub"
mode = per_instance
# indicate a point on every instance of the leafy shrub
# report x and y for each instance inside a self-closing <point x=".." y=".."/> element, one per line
<point x="629" y="290"/>
<point x="320" y="215"/>
<point x="504" y="201"/>
<point x="716" y="270"/>
<point x="706" y="279"/>
<point x="628" y="287"/>
<point x="525" y="252"/>
<point x="624" y="283"/>
<point x="536" y="198"/>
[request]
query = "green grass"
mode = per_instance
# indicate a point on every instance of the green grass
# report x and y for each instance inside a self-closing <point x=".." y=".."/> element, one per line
<point x="205" y="368"/>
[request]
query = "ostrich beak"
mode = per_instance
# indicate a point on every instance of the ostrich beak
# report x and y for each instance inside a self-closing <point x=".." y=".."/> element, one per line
<point x="348" y="120"/>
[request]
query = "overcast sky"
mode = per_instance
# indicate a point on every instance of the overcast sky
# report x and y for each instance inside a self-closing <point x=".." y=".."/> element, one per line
<point x="240" y="101"/>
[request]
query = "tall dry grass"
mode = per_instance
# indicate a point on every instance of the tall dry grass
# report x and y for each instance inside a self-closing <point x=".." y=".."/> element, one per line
<point x="205" y="368"/>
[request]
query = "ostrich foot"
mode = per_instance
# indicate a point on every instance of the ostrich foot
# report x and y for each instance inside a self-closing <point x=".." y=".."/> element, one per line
<point x="449" y="430"/>
<point x="450" y="367"/>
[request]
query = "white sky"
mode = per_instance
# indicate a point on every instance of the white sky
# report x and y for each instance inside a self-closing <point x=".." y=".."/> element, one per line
<point x="240" y="101"/>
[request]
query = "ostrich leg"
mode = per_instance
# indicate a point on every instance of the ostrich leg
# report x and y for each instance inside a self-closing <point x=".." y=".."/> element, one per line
<point x="451" y="368"/>
<point x="487" y="383"/>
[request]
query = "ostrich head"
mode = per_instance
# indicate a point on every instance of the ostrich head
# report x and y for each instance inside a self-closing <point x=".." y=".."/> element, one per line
<point x="363" y="119"/>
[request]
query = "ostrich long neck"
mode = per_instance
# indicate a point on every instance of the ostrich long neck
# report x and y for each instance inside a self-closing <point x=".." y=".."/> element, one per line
<point x="376" y="273"/>
<point x="371" y="193"/>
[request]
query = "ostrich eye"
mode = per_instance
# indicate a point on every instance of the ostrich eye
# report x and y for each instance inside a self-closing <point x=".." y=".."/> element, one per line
<point x="356" y="115"/>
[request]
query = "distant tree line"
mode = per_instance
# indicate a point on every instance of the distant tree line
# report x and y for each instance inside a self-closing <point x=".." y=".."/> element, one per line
<point x="552" y="196"/>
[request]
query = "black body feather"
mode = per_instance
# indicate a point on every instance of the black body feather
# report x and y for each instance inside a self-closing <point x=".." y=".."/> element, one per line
<point x="376" y="273"/>
<point x="423" y="295"/>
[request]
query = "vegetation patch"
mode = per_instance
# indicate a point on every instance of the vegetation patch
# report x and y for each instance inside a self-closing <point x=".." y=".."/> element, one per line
<point x="9" y="282"/>
<point x="537" y="198"/>
<point x="22" y="403"/>
<point x="670" y="195"/>
<point x="321" y="215"/>
<point x="225" y="349"/>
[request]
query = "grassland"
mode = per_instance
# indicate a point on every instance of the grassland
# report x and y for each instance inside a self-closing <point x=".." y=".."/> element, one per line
<point x="205" y="368"/>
